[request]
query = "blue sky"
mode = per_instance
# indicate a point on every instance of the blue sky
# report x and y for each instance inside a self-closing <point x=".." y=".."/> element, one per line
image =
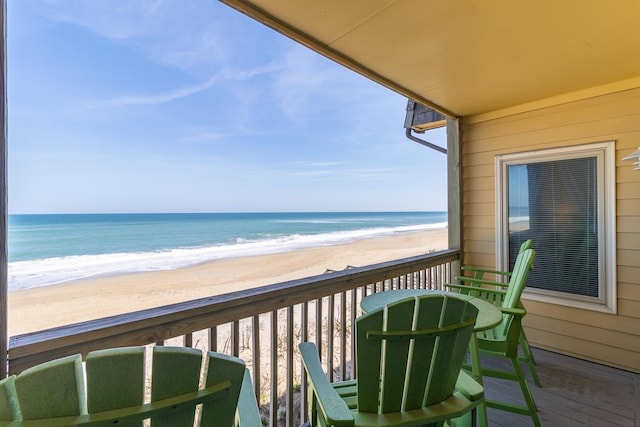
<point x="190" y="106"/>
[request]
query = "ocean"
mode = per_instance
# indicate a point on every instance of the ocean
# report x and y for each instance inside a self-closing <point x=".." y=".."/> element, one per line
<point x="52" y="249"/>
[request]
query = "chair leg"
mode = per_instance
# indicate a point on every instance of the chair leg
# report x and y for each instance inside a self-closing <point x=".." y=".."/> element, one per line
<point x="467" y="420"/>
<point x="516" y="375"/>
<point x="526" y="392"/>
<point x="528" y="357"/>
<point x="524" y="342"/>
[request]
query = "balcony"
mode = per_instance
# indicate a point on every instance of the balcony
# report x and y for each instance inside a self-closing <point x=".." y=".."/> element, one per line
<point x="264" y="325"/>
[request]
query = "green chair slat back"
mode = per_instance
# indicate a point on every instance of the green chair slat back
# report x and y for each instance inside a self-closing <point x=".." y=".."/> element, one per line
<point x="417" y="363"/>
<point x="53" y="393"/>
<point x="52" y="389"/>
<point x="221" y="367"/>
<point x="408" y="360"/>
<point x="517" y="283"/>
<point x="175" y="370"/>
<point x="115" y="379"/>
<point x="475" y="288"/>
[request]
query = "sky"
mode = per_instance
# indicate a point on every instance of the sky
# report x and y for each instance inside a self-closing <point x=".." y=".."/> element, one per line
<point x="174" y="106"/>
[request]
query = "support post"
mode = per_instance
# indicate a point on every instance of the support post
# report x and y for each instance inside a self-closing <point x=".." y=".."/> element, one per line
<point x="454" y="190"/>
<point x="4" y="339"/>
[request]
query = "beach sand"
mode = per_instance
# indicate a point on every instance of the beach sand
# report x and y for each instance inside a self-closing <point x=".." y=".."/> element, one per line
<point x="46" y="307"/>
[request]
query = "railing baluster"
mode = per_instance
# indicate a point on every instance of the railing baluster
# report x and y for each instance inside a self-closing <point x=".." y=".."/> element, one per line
<point x="343" y="335"/>
<point x="290" y="373"/>
<point x="330" y="336"/>
<point x="188" y="340"/>
<point x="352" y="330"/>
<point x="319" y="327"/>
<point x="273" y="398"/>
<point x="304" y="337"/>
<point x="213" y="338"/>
<point x="234" y="335"/>
<point x="255" y="351"/>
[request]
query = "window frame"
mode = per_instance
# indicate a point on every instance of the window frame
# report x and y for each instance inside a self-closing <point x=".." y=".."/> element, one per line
<point x="604" y="152"/>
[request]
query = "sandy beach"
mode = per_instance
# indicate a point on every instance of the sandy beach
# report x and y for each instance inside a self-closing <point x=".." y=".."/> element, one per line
<point x="50" y="306"/>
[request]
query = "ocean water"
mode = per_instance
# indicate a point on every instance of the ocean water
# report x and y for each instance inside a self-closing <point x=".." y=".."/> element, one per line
<point x="51" y="249"/>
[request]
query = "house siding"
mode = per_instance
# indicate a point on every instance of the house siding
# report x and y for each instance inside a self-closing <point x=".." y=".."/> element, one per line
<point x="611" y="339"/>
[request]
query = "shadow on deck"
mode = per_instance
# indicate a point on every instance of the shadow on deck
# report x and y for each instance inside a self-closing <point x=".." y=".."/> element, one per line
<point x="574" y="392"/>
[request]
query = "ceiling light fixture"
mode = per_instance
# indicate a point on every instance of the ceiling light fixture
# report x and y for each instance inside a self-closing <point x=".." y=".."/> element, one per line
<point x="634" y="156"/>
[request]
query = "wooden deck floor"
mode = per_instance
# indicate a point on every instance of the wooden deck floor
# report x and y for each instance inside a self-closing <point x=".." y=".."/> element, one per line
<point x="574" y="393"/>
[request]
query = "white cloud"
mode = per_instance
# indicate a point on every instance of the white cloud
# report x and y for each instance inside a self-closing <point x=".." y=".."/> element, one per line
<point x="310" y="164"/>
<point x="312" y="91"/>
<point x="187" y="35"/>
<point x="303" y="80"/>
<point x="183" y="92"/>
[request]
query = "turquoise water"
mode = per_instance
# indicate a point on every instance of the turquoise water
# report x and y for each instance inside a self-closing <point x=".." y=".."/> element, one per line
<point x="49" y="249"/>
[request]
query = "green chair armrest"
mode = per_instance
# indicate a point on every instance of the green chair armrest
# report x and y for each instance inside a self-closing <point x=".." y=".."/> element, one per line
<point x="520" y="312"/>
<point x="334" y="409"/>
<point x="469" y="387"/>
<point x="481" y="281"/>
<point x="493" y="291"/>
<point x="469" y="288"/>
<point x="183" y="402"/>
<point x="457" y="286"/>
<point x="485" y="270"/>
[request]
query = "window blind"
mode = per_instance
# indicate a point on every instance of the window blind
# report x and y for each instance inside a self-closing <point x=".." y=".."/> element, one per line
<point x="555" y="203"/>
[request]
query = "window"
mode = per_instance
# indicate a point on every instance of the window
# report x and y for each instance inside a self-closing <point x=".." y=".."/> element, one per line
<point x="563" y="199"/>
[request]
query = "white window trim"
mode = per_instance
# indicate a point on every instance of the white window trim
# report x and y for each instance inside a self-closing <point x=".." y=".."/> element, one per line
<point x="605" y="151"/>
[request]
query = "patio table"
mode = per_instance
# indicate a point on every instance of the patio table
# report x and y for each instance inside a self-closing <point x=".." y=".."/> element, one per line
<point x="489" y="316"/>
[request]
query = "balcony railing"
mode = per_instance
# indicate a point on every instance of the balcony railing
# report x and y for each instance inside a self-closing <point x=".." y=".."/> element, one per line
<point x="262" y="325"/>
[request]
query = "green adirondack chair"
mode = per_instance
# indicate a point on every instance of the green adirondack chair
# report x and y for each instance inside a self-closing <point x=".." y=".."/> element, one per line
<point x="409" y="356"/>
<point x="502" y="341"/>
<point x="473" y="286"/>
<point x="54" y="393"/>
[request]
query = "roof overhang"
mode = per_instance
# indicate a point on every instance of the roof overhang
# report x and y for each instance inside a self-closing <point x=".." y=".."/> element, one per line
<point x="471" y="58"/>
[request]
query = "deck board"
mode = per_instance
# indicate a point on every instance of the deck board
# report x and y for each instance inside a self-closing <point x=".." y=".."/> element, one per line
<point x="574" y="392"/>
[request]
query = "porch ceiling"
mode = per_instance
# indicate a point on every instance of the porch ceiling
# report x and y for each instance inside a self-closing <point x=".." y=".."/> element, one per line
<point x="469" y="57"/>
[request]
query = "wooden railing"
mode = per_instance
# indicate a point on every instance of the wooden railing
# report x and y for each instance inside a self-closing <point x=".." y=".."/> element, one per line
<point x="262" y="325"/>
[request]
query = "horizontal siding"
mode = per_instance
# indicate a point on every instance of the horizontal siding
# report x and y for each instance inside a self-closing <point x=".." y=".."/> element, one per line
<point x="487" y="210"/>
<point x="566" y="344"/>
<point x="630" y="309"/>
<point x="624" y="172"/>
<point x="628" y="274"/>
<point x="480" y="259"/>
<point x="626" y="207"/>
<point x="627" y="259"/>
<point x="479" y="233"/>
<point x="617" y="323"/>
<point x="618" y="340"/>
<point x="596" y="115"/>
<point x="628" y="241"/>
<point x="612" y="339"/>
<point x="629" y="223"/>
<point x="628" y="190"/>
<point x="628" y="291"/>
